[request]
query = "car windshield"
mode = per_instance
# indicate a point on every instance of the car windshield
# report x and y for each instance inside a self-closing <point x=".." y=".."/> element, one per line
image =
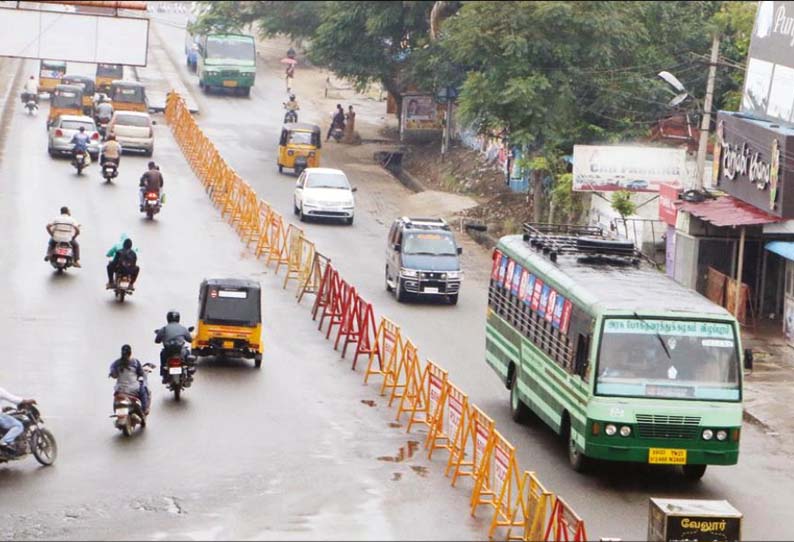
<point x="75" y="125"/>
<point x="300" y="138"/>
<point x="229" y="306"/>
<point x="132" y="120"/>
<point x="675" y="359"/>
<point x="327" y="180"/>
<point x="231" y="47"/>
<point x="436" y="244"/>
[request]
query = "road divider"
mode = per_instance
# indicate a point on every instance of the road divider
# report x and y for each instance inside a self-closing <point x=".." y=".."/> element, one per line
<point x="423" y="392"/>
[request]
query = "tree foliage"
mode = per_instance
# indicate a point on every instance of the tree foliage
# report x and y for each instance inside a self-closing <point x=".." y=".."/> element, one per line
<point x="295" y="19"/>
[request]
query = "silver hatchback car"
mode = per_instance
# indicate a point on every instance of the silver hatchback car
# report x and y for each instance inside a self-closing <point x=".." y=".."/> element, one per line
<point x="59" y="140"/>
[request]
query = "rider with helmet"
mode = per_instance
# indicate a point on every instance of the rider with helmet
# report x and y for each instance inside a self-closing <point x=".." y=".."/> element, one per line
<point x="292" y="107"/>
<point x="175" y="339"/>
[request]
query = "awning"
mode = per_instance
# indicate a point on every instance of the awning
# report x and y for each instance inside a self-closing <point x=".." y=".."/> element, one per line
<point x="782" y="248"/>
<point x="728" y="211"/>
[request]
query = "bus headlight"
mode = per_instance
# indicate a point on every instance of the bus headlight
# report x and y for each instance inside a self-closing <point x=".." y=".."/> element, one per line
<point x="708" y="434"/>
<point x="610" y="429"/>
<point x="625" y="431"/>
<point x="722" y="434"/>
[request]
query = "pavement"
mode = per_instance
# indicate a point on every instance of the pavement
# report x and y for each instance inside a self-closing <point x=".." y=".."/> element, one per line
<point x="614" y="498"/>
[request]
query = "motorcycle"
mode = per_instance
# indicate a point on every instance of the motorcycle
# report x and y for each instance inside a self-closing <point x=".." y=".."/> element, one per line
<point x="102" y="127"/>
<point x="34" y="439"/>
<point x="62" y="256"/>
<point x="80" y="161"/>
<point x="291" y="116"/>
<point x="110" y="170"/>
<point x="179" y="368"/>
<point x="31" y="102"/>
<point x="151" y="204"/>
<point x="337" y="133"/>
<point x="128" y="410"/>
<point x="121" y="286"/>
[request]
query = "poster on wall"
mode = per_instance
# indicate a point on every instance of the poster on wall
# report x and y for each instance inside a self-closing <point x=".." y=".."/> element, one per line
<point x="419" y="115"/>
<point x="769" y="78"/>
<point x="620" y="167"/>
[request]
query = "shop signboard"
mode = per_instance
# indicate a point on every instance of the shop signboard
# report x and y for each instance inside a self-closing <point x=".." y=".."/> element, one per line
<point x="668" y="196"/>
<point x="621" y="167"/>
<point x="420" y="116"/>
<point x="753" y="163"/>
<point x="769" y="78"/>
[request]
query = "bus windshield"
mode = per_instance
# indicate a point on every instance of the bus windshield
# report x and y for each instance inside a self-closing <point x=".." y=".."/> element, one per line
<point x="231" y="48"/>
<point x="668" y="359"/>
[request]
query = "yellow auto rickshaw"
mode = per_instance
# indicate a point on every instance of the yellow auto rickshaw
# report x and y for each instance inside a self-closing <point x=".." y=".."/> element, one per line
<point x="299" y="147"/>
<point x="65" y="100"/>
<point x="88" y="90"/>
<point x="50" y="73"/>
<point x="128" y="96"/>
<point x="106" y="74"/>
<point x="229" y="320"/>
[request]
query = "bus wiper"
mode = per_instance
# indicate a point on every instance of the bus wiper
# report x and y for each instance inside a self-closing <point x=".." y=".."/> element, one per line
<point x="658" y="335"/>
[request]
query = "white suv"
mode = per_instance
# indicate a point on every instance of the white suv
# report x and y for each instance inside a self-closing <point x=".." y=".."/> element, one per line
<point x="324" y="193"/>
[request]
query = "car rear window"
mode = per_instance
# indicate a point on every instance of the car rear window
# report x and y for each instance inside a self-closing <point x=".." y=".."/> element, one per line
<point x="75" y="125"/>
<point x="132" y="120"/>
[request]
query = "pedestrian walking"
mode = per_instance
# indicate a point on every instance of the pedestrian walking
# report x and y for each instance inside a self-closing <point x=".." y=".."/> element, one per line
<point x="350" y="125"/>
<point x="290" y="74"/>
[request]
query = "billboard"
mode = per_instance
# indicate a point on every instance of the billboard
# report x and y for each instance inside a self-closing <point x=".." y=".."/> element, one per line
<point x="769" y="79"/>
<point x="419" y="115"/>
<point x="633" y="168"/>
<point x="31" y="33"/>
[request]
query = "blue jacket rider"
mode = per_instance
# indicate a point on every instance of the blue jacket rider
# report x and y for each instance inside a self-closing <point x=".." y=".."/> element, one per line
<point x="80" y="140"/>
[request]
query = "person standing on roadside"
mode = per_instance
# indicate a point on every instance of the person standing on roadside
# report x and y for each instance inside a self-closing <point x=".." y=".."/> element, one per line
<point x="290" y="75"/>
<point x="350" y="124"/>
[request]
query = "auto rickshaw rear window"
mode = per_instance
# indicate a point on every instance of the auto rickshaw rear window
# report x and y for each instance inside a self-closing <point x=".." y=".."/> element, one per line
<point x="226" y="307"/>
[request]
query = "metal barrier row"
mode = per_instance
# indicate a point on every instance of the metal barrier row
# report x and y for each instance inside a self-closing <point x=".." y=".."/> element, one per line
<point x="424" y="392"/>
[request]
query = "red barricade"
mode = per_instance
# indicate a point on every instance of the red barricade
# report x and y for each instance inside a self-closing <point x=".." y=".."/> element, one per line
<point x="324" y="292"/>
<point x="348" y="326"/>
<point x="564" y="525"/>
<point x="340" y="301"/>
<point x="367" y="342"/>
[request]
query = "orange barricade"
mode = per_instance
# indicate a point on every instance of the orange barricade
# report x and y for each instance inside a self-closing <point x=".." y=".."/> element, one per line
<point x="446" y="420"/>
<point x="408" y="359"/>
<point x="386" y="347"/>
<point x="263" y="237"/>
<point x="301" y="255"/>
<point x="323" y="297"/>
<point x="532" y="507"/>
<point x="471" y="442"/>
<point x="564" y="525"/>
<point x="312" y="283"/>
<point x="277" y="237"/>
<point x="432" y="394"/>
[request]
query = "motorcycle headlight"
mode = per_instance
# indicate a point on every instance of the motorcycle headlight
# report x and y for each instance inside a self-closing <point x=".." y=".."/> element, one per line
<point x="411" y="273"/>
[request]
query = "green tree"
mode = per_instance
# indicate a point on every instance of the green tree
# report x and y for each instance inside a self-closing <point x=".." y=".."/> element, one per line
<point x="622" y="204"/>
<point x="295" y="19"/>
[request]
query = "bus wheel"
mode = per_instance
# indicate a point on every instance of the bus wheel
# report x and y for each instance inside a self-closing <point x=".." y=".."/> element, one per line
<point x="693" y="473"/>
<point x="518" y="410"/>
<point x="576" y="457"/>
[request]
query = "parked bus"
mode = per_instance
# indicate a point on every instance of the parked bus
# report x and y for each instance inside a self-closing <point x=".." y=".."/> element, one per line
<point x="227" y="61"/>
<point x="620" y="360"/>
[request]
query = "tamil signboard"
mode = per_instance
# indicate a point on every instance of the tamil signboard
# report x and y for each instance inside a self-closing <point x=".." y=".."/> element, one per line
<point x="420" y="116"/>
<point x="769" y="79"/>
<point x="623" y="167"/>
<point x="754" y="162"/>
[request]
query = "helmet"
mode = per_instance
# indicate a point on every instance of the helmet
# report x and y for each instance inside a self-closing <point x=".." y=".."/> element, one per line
<point x="82" y="128"/>
<point x="292" y="97"/>
<point x="32" y="76"/>
<point x="126" y="351"/>
<point x="172" y="316"/>
<point x="65" y="210"/>
<point x="152" y="165"/>
<point x="127" y="243"/>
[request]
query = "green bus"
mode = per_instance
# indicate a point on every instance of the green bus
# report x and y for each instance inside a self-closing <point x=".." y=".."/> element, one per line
<point x="226" y="61"/>
<point x="620" y="360"/>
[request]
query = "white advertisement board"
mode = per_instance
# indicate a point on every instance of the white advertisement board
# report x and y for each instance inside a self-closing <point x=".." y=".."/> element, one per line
<point x="622" y="167"/>
<point x="61" y="35"/>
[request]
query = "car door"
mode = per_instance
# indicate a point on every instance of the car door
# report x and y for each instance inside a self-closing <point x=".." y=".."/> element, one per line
<point x="392" y="255"/>
<point x="299" y="187"/>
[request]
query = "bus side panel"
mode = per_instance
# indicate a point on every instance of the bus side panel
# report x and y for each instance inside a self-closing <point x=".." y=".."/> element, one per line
<point x="502" y="346"/>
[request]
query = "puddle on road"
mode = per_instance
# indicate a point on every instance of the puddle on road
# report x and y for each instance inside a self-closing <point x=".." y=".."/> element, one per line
<point x="405" y="452"/>
<point x="395" y="425"/>
<point x="396" y="476"/>
<point x="369" y="402"/>
<point x="421" y="471"/>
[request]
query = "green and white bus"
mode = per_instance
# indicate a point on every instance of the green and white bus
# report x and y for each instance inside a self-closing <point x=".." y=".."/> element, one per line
<point x="226" y="61"/>
<point x="619" y="359"/>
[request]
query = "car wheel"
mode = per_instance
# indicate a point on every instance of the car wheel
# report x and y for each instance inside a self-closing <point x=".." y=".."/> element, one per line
<point x="349" y="221"/>
<point x="693" y="473"/>
<point x="301" y="216"/>
<point x="280" y="168"/>
<point x="453" y="299"/>
<point x="388" y="286"/>
<point x="295" y="209"/>
<point x="399" y="293"/>
<point x="51" y="152"/>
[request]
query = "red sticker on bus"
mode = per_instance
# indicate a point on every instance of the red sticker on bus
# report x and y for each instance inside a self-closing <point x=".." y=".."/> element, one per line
<point x="550" y="305"/>
<point x="565" y="319"/>
<point x="497" y="260"/>
<point x="536" y="294"/>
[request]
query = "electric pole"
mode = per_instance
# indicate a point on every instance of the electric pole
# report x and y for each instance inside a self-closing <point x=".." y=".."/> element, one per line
<point x="706" y="123"/>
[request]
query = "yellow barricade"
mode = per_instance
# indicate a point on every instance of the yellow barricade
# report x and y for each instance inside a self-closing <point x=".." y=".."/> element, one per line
<point x="301" y="256"/>
<point x="277" y="237"/>
<point x="311" y="284"/>
<point x="498" y="482"/>
<point x="432" y="394"/>
<point x="531" y="511"/>
<point x="388" y="343"/>
<point x="405" y="364"/>
<point x="446" y="421"/>
<point x="248" y="225"/>
<point x="413" y="378"/>
<point x="263" y="242"/>
<point x="471" y="441"/>
<point x="291" y="244"/>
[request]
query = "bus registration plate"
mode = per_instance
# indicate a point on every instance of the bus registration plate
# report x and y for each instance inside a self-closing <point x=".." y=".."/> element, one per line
<point x="666" y="456"/>
<point x="230" y="83"/>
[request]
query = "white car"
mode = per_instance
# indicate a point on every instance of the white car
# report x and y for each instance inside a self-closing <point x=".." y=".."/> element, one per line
<point x="133" y="130"/>
<point x="59" y="140"/>
<point x="324" y="193"/>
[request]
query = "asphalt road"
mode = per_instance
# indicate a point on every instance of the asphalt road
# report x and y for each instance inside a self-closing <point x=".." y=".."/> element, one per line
<point x="291" y="451"/>
<point x="614" y="499"/>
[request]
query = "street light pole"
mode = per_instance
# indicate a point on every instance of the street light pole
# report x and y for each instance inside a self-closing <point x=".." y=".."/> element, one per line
<point x="704" y="126"/>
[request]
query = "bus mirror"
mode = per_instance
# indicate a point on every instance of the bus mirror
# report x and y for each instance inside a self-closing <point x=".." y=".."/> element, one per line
<point x="748" y="359"/>
<point x="460" y="250"/>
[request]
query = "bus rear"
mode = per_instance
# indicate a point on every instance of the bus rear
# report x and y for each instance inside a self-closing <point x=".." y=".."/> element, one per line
<point x="666" y="390"/>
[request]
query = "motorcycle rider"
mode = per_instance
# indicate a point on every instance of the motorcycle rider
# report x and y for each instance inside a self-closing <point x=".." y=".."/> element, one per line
<point x="31" y="90"/>
<point x="175" y="339"/>
<point x="64" y="229"/>
<point x="124" y="261"/>
<point x="10" y="427"/>
<point x="292" y="104"/>
<point x="337" y="121"/>
<point x="80" y="141"/>
<point x="151" y="181"/>
<point x="127" y="371"/>
<point x="104" y="110"/>
<point x="111" y="151"/>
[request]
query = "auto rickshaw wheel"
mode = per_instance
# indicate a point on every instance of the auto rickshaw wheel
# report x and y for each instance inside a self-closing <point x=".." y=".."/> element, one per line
<point x="280" y="168"/>
<point x="258" y="361"/>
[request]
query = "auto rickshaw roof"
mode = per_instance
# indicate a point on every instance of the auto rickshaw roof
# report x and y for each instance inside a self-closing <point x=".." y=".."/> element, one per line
<point x="58" y="63"/>
<point x="231" y="283"/>
<point x="74" y="88"/>
<point x="126" y="83"/>
<point x="301" y="127"/>
<point x="77" y="78"/>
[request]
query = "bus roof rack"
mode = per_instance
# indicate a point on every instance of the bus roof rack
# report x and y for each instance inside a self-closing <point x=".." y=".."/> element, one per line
<point x="587" y="242"/>
<point x="425" y="222"/>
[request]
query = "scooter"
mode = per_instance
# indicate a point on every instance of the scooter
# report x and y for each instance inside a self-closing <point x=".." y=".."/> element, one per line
<point x="110" y="170"/>
<point x="337" y="133"/>
<point x="31" y="102"/>
<point x="127" y="409"/>
<point x="151" y="204"/>
<point x="62" y="256"/>
<point x="291" y="116"/>
<point x="80" y="161"/>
